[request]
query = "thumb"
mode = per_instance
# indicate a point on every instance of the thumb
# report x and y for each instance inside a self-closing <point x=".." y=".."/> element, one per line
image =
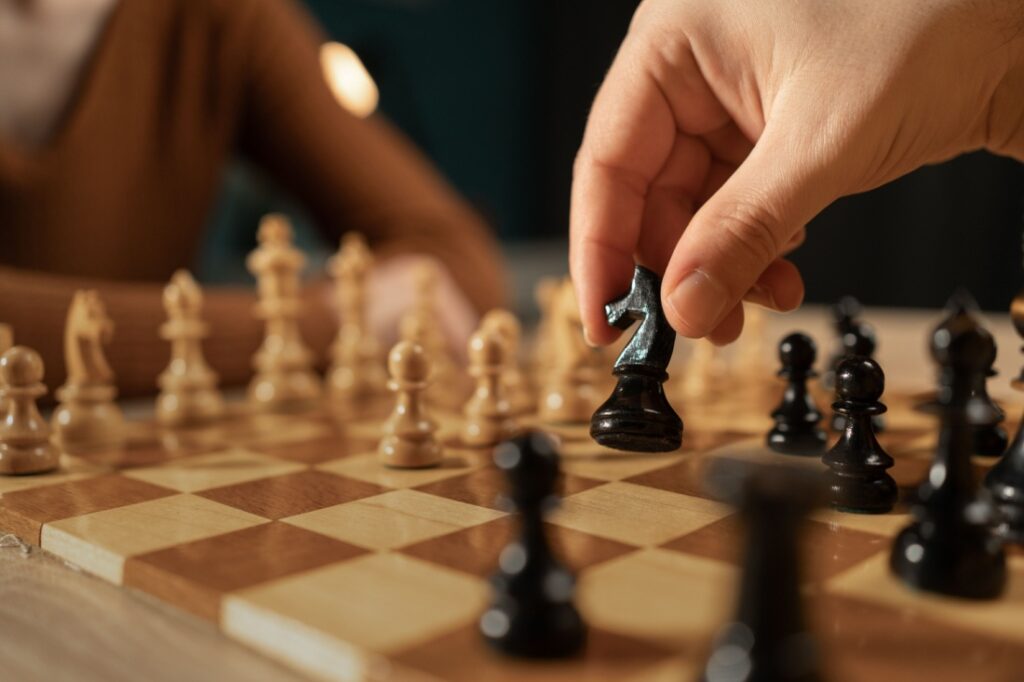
<point x="742" y="230"/>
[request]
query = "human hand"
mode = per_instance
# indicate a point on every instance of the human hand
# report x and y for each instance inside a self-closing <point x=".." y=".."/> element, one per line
<point x="724" y="126"/>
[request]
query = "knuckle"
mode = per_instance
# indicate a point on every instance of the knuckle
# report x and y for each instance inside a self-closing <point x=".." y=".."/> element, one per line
<point x="754" y="233"/>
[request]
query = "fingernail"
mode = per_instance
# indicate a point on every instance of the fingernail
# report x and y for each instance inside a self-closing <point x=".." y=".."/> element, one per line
<point x="586" y="338"/>
<point x="699" y="302"/>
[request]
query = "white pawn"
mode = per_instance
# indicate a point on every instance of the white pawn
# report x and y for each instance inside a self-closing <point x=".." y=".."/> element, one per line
<point x="568" y="393"/>
<point x="514" y="382"/>
<point x="25" y="446"/>
<point x="409" y="441"/>
<point x="488" y="414"/>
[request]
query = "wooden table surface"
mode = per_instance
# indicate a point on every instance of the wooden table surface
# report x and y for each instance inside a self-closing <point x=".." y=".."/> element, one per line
<point x="57" y="623"/>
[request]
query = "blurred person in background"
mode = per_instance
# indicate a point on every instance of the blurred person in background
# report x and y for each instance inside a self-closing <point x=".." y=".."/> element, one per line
<point x="117" y="119"/>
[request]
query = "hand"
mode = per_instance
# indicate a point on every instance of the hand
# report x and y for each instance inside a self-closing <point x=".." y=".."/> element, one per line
<point x="724" y="126"/>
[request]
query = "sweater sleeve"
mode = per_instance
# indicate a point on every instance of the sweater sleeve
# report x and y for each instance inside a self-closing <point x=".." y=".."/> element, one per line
<point x="352" y="173"/>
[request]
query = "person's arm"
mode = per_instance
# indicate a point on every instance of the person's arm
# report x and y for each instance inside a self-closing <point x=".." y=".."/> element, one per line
<point x="352" y="173"/>
<point x="724" y="126"/>
<point x="36" y="305"/>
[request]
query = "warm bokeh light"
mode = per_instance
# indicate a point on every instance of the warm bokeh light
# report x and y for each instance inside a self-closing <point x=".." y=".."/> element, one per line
<point x="349" y="80"/>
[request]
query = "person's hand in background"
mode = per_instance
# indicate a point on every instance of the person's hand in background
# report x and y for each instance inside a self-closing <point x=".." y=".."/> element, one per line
<point x="724" y="126"/>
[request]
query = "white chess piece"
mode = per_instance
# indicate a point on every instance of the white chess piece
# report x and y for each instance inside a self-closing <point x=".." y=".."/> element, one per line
<point x="87" y="418"/>
<point x="25" y="446"/>
<point x="188" y="387"/>
<point x="409" y="441"/>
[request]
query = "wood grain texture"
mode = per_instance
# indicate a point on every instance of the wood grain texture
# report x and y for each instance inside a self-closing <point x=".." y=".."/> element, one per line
<point x="59" y="624"/>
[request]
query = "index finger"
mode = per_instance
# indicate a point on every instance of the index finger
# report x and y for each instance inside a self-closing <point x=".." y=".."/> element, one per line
<point x="647" y="98"/>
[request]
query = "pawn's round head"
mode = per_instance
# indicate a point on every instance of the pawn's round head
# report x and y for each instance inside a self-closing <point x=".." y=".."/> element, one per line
<point x="486" y="349"/>
<point x="797" y="351"/>
<point x="408" y="362"/>
<point x="274" y="229"/>
<point x="21" y="366"/>
<point x="530" y="461"/>
<point x="859" y="379"/>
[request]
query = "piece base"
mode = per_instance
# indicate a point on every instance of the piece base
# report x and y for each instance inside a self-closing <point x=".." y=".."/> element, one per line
<point x="967" y="562"/>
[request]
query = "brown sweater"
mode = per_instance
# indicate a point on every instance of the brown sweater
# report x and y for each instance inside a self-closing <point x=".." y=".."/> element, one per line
<point x="119" y="197"/>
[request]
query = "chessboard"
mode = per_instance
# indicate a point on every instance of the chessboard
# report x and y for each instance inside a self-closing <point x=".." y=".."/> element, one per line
<point x="286" y="532"/>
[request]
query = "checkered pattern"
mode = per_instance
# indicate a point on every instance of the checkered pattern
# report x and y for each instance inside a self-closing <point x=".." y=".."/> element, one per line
<point x="288" y="533"/>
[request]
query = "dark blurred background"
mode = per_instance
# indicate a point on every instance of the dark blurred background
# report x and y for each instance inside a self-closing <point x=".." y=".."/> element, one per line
<point x="497" y="94"/>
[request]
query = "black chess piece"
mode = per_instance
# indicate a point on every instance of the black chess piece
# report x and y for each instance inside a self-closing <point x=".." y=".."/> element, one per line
<point x="532" y="613"/>
<point x="637" y="416"/>
<point x="796" y="430"/>
<point x="1006" y="479"/>
<point x="859" y="341"/>
<point x="950" y="548"/>
<point x="767" y="640"/>
<point x="986" y="416"/>
<point x="988" y="437"/>
<point x="844" y="321"/>
<point x="857" y="477"/>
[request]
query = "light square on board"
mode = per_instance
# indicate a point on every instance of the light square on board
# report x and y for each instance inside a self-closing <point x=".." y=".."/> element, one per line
<point x="71" y="469"/>
<point x="393" y="519"/>
<point x="635" y="514"/>
<point x="588" y="459"/>
<point x="367" y="467"/>
<point x="23" y="512"/>
<point x="214" y="470"/>
<point x="872" y="581"/>
<point x="195" y="575"/>
<point x="666" y="597"/>
<point x="100" y="542"/>
<point x="379" y="602"/>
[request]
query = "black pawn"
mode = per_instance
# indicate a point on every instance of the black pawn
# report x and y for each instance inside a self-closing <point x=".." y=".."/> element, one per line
<point x="857" y="477"/>
<point x="986" y="416"/>
<point x="637" y="416"/>
<point x="532" y="613"/>
<point x="767" y="640"/>
<point x="1006" y="479"/>
<point x="859" y="341"/>
<point x="844" y="321"/>
<point x="950" y="548"/>
<point x="796" y="418"/>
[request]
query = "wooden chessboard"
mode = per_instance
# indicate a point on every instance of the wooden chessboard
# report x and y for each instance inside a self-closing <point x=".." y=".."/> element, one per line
<point x="287" y="533"/>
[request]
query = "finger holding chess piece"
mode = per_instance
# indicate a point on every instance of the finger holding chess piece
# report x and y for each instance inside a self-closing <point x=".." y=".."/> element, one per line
<point x="87" y="418"/>
<point x="488" y="414"/>
<point x="409" y="441"/>
<point x="25" y="446"/>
